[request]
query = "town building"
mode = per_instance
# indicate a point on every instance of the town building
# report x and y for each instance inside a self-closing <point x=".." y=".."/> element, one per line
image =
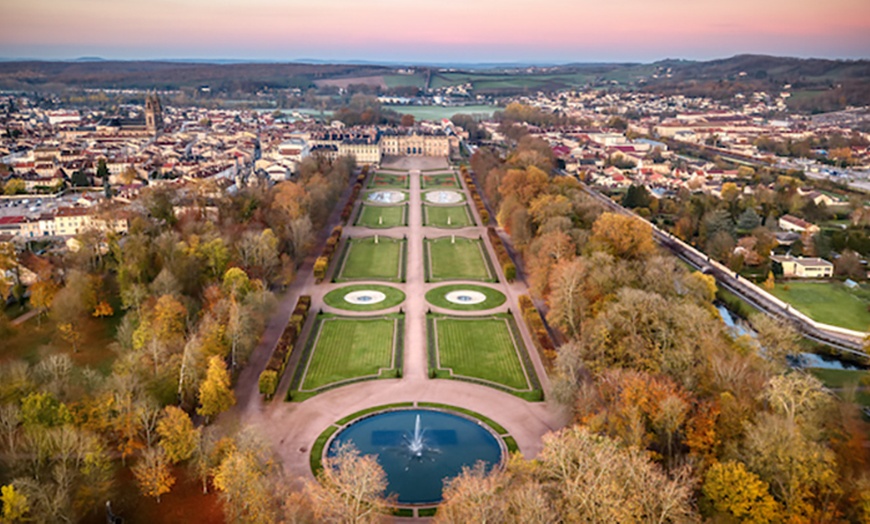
<point x="801" y="267"/>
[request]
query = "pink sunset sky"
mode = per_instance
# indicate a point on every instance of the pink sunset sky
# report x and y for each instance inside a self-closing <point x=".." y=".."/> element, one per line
<point x="428" y="30"/>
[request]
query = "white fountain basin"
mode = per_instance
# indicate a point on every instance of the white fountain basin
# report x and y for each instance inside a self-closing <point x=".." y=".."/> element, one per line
<point x="386" y="197"/>
<point x="364" y="297"/>
<point x="464" y="296"/>
<point x="444" y="197"/>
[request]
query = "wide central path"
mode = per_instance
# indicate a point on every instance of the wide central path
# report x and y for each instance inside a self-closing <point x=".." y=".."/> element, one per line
<point x="292" y="427"/>
<point x="416" y="362"/>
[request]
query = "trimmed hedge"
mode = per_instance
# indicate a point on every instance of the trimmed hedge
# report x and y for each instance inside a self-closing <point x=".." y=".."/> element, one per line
<point x="504" y="259"/>
<point x="321" y="265"/>
<point x="475" y="196"/>
<point x="271" y="376"/>
<point x="540" y="335"/>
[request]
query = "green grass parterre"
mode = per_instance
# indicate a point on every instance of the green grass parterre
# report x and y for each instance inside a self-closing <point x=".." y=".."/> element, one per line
<point x="437" y="216"/>
<point x="487" y="350"/>
<point x="381" y="216"/>
<point x="341" y="350"/>
<point x="364" y="259"/>
<point x="457" y="259"/>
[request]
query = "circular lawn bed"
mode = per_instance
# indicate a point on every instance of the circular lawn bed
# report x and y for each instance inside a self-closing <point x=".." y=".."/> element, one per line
<point x="454" y="296"/>
<point x="348" y="297"/>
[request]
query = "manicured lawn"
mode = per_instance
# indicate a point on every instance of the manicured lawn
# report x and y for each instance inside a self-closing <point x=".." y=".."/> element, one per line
<point x="480" y="349"/>
<point x="436" y="297"/>
<point x="335" y="298"/>
<point x="382" y="216"/>
<point x="464" y="259"/>
<point x="366" y="260"/>
<point x="349" y="348"/>
<point x="437" y="216"/>
<point x="830" y="303"/>
<point x="387" y="180"/>
<point x="439" y="180"/>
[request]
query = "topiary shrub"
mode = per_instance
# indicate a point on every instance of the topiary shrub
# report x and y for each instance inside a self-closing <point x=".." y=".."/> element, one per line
<point x="510" y="271"/>
<point x="268" y="383"/>
<point x="320" y="266"/>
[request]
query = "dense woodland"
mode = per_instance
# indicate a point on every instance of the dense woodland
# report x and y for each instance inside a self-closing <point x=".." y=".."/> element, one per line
<point x="674" y="420"/>
<point x="189" y="294"/>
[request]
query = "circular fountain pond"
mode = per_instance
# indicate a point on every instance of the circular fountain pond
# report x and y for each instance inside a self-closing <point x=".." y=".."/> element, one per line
<point x="419" y="448"/>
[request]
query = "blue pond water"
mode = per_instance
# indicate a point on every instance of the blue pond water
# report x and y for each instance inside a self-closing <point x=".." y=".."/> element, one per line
<point x="449" y="442"/>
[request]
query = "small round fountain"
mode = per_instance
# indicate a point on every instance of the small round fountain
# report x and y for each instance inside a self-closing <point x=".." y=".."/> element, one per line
<point x="419" y="448"/>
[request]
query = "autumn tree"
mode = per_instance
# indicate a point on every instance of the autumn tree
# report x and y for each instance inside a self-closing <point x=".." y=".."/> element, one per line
<point x="178" y="436"/>
<point x="800" y="471"/>
<point x="245" y="481"/>
<point x="215" y="394"/>
<point x="566" y="300"/>
<point x="351" y="488"/>
<point x="152" y="473"/>
<point x="623" y="236"/>
<point x="729" y="488"/>
<point x="777" y="339"/>
<point x="15" y="505"/>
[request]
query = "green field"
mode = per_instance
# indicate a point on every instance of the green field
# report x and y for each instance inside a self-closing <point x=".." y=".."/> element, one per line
<point x="335" y="298"/>
<point x="463" y="260"/>
<point x="389" y="181"/>
<point x="439" y="180"/>
<point x="363" y="259"/>
<point x="841" y="379"/>
<point x="346" y="349"/>
<point x="830" y="303"/>
<point x="436" y="297"/>
<point x="437" y="216"/>
<point x="439" y="112"/>
<point x="375" y="216"/>
<point x="483" y="349"/>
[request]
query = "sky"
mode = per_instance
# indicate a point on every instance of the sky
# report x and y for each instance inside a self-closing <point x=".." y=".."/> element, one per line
<point x="472" y="31"/>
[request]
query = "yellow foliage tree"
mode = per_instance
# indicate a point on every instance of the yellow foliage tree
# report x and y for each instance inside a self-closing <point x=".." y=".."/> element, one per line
<point x="178" y="436"/>
<point x="623" y="236"/>
<point x="152" y="473"/>
<point x="730" y="488"/>
<point x="215" y="395"/>
<point x="15" y="504"/>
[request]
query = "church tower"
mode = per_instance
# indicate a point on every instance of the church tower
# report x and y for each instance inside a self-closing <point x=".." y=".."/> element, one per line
<point x="153" y="114"/>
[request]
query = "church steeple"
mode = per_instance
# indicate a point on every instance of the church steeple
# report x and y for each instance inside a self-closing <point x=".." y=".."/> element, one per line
<point x="153" y="114"/>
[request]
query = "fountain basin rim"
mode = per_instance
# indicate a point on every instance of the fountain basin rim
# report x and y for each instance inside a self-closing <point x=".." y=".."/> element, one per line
<point x="505" y="453"/>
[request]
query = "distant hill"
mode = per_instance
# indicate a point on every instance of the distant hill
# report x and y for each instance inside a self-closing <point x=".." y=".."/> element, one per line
<point x="817" y="84"/>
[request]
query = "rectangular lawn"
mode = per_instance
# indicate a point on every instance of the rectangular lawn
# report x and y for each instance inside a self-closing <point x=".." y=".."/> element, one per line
<point x="386" y="180"/>
<point x="441" y="180"/>
<point x="348" y="348"/>
<point x="480" y="348"/>
<point x="390" y="216"/>
<point x="463" y="260"/>
<point x="830" y="303"/>
<point x="365" y="260"/>
<point x="437" y="216"/>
